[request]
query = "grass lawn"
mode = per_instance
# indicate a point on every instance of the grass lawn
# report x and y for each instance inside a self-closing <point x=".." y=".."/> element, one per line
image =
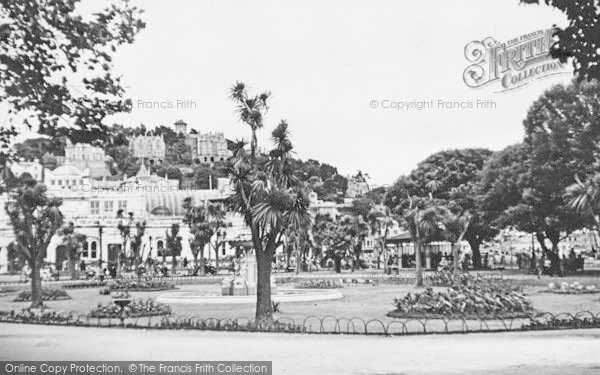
<point x="363" y="301"/>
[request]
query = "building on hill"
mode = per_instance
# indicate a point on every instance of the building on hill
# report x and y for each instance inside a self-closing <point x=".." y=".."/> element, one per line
<point x="357" y="186"/>
<point x="151" y="147"/>
<point x="84" y="156"/>
<point x="207" y="147"/>
<point x="33" y="168"/>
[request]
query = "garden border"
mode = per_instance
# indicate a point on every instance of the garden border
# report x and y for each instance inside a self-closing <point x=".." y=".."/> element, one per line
<point x="332" y="325"/>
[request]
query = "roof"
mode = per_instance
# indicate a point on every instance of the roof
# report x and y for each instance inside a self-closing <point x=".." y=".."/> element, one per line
<point x="402" y="237"/>
<point x="67" y="170"/>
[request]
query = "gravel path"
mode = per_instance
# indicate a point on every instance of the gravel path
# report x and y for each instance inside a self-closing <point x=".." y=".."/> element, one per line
<point x="531" y="353"/>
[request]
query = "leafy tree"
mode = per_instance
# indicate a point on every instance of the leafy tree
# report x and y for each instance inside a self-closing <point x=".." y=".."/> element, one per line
<point x="580" y="39"/>
<point x="169" y="135"/>
<point x="57" y="66"/>
<point x="73" y="243"/>
<point x="35" y="218"/>
<point x="323" y="237"/>
<point x="268" y="194"/>
<point x="452" y="177"/>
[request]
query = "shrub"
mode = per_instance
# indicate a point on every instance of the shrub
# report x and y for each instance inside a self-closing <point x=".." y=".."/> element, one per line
<point x="141" y="284"/>
<point x="44" y="316"/>
<point x="477" y="299"/>
<point x="84" y="284"/>
<point x="48" y="294"/>
<point x="135" y="309"/>
<point x="573" y="288"/>
<point x="319" y="284"/>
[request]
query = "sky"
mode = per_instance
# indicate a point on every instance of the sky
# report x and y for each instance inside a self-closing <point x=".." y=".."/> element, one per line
<point x="325" y="62"/>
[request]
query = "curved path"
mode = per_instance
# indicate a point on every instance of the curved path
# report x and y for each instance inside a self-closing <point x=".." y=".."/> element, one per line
<point x="531" y="353"/>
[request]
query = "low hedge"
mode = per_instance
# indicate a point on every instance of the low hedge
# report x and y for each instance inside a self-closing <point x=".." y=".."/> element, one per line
<point x="48" y="294"/>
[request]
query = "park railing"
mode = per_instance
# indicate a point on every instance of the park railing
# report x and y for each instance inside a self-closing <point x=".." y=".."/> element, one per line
<point x="322" y="325"/>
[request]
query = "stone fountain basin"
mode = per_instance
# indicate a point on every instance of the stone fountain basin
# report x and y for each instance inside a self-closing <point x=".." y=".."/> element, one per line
<point x="282" y="295"/>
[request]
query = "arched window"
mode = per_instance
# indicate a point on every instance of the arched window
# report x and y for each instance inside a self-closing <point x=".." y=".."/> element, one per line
<point x="94" y="248"/>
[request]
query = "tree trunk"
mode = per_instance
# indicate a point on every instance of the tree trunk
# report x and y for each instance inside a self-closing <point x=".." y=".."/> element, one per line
<point x="36" y="286"/>
<point x="555" y="261"/>
<point x="298" y="256"/>
<point x="419" y="265"/>
<point x="264" y="309"/>
<point x="72" y="269"/>
<point x="455" y="265"/>
<point x="217" y="258"/>
<point x="201" y="270"/>
<point x="474" y="243"/>
<point x="173" y="264"/>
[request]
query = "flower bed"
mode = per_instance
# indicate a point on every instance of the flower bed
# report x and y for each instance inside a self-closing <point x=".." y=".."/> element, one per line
<point x="135" y="309"/>
<point x="38" y="316"/>
<point x="138" y="285"/>
<point x="320" y="284"/>
<point x="84" y="284"/>
<point x="573" y="288"/>
<point x="8" y="289"/>
<point x="233" y="325"/>
<point x="48" y="294"/>
<point x="477" y="300"/>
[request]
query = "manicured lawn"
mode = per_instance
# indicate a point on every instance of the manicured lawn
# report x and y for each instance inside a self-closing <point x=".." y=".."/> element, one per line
<point x="363" y="301"/>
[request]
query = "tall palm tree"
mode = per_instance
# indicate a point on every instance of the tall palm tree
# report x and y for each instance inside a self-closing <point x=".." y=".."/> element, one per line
<point x="173" y="240"/>
<point x="455" y="227"/>
<point x="251" y="111"/>
<point x="381" y="220"/>
<point x="201" y="230"/>
<point x="217" y="219"/>
<point x="124" y="228"/>
<point x="355" y="229"/>
<point x="424" y="221"/>
<point x="268" y="198"/>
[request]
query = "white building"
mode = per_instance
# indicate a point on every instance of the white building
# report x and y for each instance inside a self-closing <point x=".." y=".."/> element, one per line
<point x="92" y="206"/>
<point x="149" y="146"/>
<point x="84" y="156"/>
<point x="207" y="147"/>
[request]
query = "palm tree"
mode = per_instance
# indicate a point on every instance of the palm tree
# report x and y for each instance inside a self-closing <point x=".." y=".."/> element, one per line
<point x="136" y="243"/>
<point x="201" y="230"/>
<point x="268" y="196"/>
<point x="584" y="198"/>
<point x="423" y="221"/>
<point x="216" y="217"/>
<point x="124" y="227"/>
<point x="73" y="243"/>
<point x="35" y="218"/>
<point x="455" y="227"/>
<point x="251" y="110"/>
<point x="355" y="229"/>
<point x="174" y="245"/>
<point x="381" y="220"/>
